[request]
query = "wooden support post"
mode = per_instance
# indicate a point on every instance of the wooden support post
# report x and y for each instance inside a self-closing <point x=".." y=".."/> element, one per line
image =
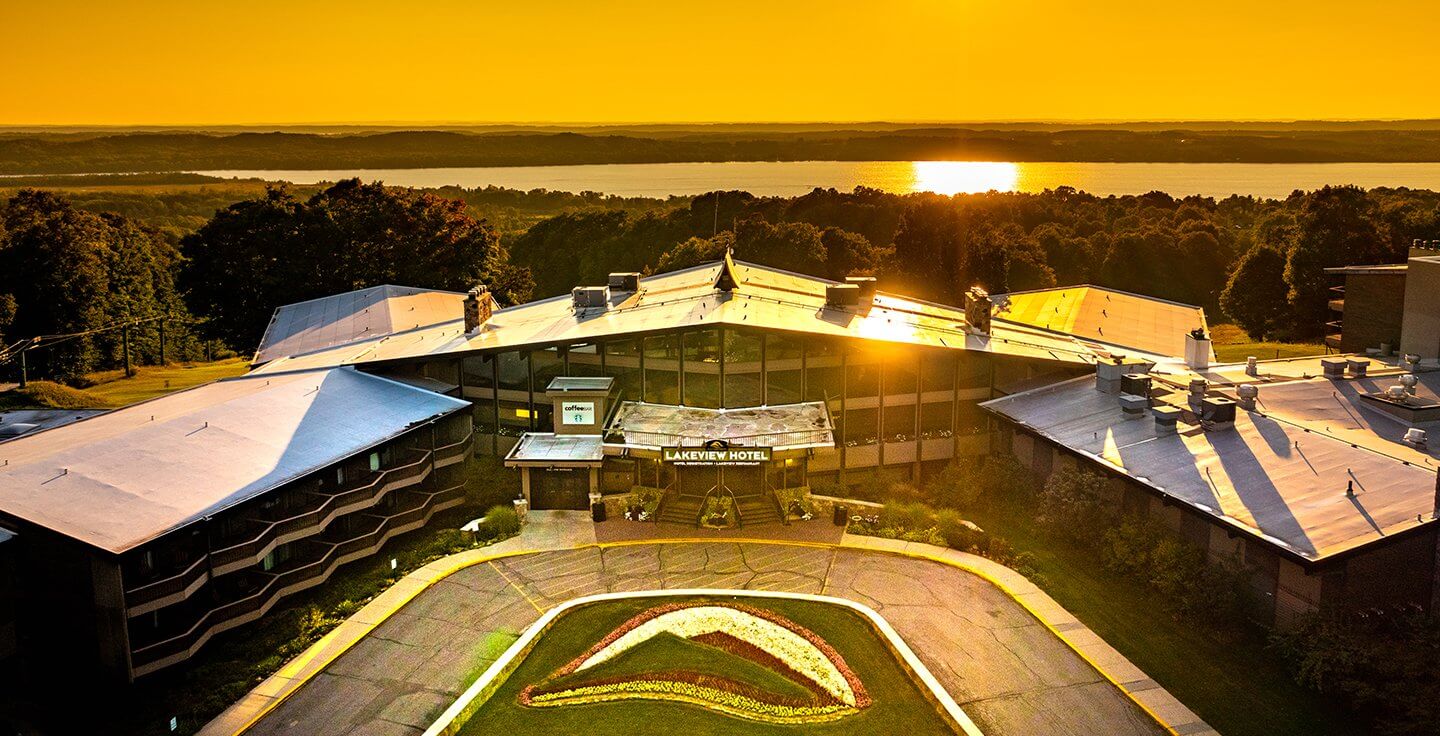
<point x="24" y="369"/>
<point x="162" y="342"/>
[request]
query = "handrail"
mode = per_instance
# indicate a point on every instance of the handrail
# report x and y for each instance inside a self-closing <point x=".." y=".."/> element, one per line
<point x="236" y="607"/>
<point x="715" y="490"/>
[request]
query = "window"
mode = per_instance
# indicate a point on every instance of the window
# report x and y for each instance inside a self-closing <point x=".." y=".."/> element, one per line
<point x="900" y="375"/>
<point x="662" y="369"/>
<point x="583" y="360"/>
<point x="479" y="371"/>
<point x="899" y="423"/>
<point x="514" y="371"/>
<point x="374" y="462"/>
<point x="937" y="372"/>
<point x="861" y="427"/>
<point x="743" y="351"/>
<point x="783" y="369"/>
<point x="935" y="419"/>
<point x="547" y="364"/>
<point x="339" y="475"/>
<point x="702" y="369"/>
<point x="277" y="557"/>
<point x="622" y="362"/>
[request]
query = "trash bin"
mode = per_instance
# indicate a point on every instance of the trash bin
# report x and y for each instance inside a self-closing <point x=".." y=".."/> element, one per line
<point x="597" y="511"/>
<point x="842" y="515"/>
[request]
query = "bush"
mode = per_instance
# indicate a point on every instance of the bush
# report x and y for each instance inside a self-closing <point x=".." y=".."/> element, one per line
<point x="907" y="516"/>
<point x="50" y="395"/>
<point x="957" y="532"/>
<point x="647" y="498"/>
<point x="1073" y="506"/>
<point x="1125" y="549"/>
<point x="500" y="521"/>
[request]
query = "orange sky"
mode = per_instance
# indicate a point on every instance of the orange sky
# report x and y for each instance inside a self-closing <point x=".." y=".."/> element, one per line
<point x="292" y="61"/>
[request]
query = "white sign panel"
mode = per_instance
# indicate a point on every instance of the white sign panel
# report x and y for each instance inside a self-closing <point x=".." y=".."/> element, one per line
<point x="577" y="412"/>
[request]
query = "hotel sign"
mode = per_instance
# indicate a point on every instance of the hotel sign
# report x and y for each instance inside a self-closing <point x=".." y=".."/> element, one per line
<point x="715" y="455"/>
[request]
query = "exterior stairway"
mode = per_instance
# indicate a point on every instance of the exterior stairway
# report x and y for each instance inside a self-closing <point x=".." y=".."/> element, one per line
<point x="681" y="508"/>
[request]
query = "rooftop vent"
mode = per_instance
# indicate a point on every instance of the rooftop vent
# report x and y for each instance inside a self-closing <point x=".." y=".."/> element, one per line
<point x="1166" y="418"/>
<point x="1247" y="394"/>
<point x="625" y="282"/>
<point x="1132" y="406"/>
<point x="977" y="309"/>
<point x="479" y="306"/>
<point x="1197" y="393"/>
<point x="1135" y="384"/>
<point x="842" y="295"/>
<point x="867" y="288"/>
<point x="1333" y="368"/>
<point x="1357" y="367"/>
<point x="590" y="297"/>
<point x="1416" y="438"/>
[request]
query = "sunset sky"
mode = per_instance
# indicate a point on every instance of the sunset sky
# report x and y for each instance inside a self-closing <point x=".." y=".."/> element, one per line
<point x="294" y="61"/>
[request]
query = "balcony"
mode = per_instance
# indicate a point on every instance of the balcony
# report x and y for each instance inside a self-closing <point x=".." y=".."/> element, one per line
<point x="254" y="593"/>
<point x="297" y="524"/>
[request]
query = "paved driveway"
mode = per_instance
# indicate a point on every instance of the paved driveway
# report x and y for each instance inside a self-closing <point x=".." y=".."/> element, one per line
<point x="1009" y="673"/>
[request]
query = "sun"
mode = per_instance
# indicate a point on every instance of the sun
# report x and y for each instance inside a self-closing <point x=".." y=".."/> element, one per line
<point x="964" y="177"/>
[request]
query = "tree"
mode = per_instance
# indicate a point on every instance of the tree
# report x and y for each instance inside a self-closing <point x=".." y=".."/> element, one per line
<point x="1334" y="228"/>
<point x="272" y="250"/>
<point x="1250" y="296"/>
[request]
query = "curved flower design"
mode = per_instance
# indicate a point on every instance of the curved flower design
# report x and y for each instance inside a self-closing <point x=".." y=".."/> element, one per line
<point x="754" y="634"/>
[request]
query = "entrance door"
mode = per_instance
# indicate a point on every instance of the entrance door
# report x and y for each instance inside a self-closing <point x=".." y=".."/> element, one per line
<point x="567" y="490"/>
<point x="745" y="480"/>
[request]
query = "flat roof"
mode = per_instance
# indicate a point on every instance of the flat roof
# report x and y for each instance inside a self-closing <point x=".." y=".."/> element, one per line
<point x="764" y="297"/>
<point x="1107" y="316"/>
<point x="539" y="448"/>
<point x="787" y="426"/>
<point x="119" y="479"/>
<point x="1280" y="474"/>
<point x="355" y="316"/>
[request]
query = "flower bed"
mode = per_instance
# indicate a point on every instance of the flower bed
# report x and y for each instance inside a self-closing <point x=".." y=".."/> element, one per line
<point x="753" y="634"/>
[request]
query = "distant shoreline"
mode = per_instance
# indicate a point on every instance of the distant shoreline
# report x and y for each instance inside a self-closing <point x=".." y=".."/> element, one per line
<point x="97" y="153"/>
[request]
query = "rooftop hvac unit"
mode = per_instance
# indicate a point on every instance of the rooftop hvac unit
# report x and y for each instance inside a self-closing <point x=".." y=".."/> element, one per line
<point x="1218" y="410"/>
<point x="1135" y="384"/>
<point x="842" y="295"/>
<point x="625" y="282"/>
<point x="591" y="297"/>
<point x="867" y="287"/>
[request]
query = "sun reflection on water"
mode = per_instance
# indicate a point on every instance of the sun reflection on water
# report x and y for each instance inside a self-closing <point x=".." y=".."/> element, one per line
<point x="964" y="177"/>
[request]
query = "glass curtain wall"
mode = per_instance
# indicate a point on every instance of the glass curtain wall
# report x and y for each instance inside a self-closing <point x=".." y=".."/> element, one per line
<point x="701" y="384"/>
<point x="743" y="364"/>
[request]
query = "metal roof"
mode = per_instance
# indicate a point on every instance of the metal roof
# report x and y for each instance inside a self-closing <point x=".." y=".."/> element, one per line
<point x="539" y="448"/>
<point x="343" y="319"/>
<point x="127" y="476"/>
<point x="763" y="298"/>
<point x="1108" y="316"/>
<point x="1280" y="473"/>
<point x="787" y="426"/>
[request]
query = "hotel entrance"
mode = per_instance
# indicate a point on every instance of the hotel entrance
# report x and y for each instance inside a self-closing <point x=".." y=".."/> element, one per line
<point x="560" y="489"/>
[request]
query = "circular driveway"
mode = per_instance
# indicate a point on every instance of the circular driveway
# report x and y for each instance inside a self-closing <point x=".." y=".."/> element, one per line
<point x="1005" y="669"/>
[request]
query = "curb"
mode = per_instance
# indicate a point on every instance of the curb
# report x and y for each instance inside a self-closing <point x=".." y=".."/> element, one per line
<point x="1154" y="700"/>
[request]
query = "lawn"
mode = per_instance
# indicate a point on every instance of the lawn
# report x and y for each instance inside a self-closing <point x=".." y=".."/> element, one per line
<point x="1232" y="345"/>
<point x="151" y="381"/>
<point x="1234" y="683"/>
<point x="900" y="705"/>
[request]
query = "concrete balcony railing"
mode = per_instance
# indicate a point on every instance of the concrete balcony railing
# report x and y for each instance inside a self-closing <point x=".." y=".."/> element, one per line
<point x="295" y="576"/>
<point x="1336" y="305"/>
<point x="272" y="533"/>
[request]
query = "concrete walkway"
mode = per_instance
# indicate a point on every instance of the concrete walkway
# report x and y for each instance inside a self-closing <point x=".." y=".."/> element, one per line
<point x="1015" y="660"/>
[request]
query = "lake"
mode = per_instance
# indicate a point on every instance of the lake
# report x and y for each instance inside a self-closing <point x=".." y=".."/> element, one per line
<point x="789" y="178"/>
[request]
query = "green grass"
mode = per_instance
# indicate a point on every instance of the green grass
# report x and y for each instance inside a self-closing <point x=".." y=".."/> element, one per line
<point x="900" y="706"/>
<point x="152" y="381"/>
<point x="1232" y="345"/>
<point x="48" y="395"/>
<point x="1232" y="681"/>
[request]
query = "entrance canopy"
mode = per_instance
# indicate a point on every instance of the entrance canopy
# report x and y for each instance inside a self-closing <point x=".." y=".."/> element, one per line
<point x="786" y="427"/>
<point x="544" y="449"/>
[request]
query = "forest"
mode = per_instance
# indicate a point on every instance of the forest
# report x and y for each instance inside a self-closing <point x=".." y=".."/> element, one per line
<point x="184" y="150"/>
<point x="218" y="259"/>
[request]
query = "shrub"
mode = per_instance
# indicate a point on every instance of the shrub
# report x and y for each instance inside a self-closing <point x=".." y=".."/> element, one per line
<point x="500" y="521"/>
<point x="956" y="531"/>
<point x="1073" y="506"/>
<point x="55" y="396"/>
<point x="1005" y="476"/>
<point x="1125" y="549"/>
<point x="907" y="516"/>
<point x="647" y="498"/>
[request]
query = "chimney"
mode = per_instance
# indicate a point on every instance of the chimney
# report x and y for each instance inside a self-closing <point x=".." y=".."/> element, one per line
<point x="626" y="283"/>
<point x="479" y="305"/>
<point x="839" y="296"/>
<point x="867" y="289"/>
<point x="1252" y="366"/>
<point x="590" y="297"/>
<point x="977" y="309"/>
<point x="1110" y="374"/>
<point x="1357" y="367"/>
<point x="1197" y="349"/>
<point x="1247" y="394"/>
